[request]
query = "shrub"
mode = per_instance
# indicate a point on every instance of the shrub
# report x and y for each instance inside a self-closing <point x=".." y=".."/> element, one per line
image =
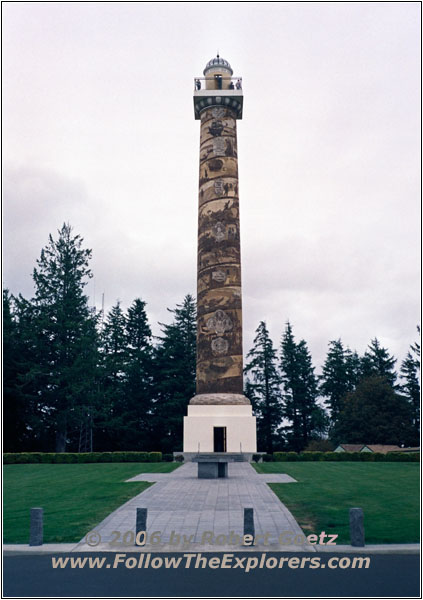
<point x="310" y="455"/>
<point x="105" y="457"/>
<point x="154" y="456"/>
<point x="14" y="458"/>
<point x="365" y="456"/>
<point x="10" y="458"/>
<point x="142" y="457"/>
<point x="402" y="457"/>
<point x="46" y="457"/>
<point x="333" y="456"/>
<point x="379" y="457"/>
<point x="279" y="456"/>
<point x="292" y="456"/>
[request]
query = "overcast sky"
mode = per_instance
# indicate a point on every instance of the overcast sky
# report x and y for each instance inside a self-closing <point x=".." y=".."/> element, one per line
<point x="99" y="131"/>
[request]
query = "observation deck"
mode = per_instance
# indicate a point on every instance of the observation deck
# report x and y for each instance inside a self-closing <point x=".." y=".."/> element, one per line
<point x="218" y="90"/>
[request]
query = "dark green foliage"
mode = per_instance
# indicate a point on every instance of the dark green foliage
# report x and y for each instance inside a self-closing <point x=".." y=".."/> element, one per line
<point x="374" y="411"/>
<point x="256" y="457"/>
<point x="340" y="376"/>
<point x="402" y="457"/>
<point x="280" y="456"/>
<point x="410" y="374"/>
<point x="287" y="456"/>
<point x="263" y="388"/>
<point x="82" y="457"/>
<point x="17" y="408"/>
<point x="307" y="420"/>
<point x="62" y="336"/>
<point x="109" y="422"/>
<point x="139" y="387"/>
<point x="154" y="456"/>
<point x="267" y="457"/>
<point x="126" y="420"/>
<point x="346" y="456"/>
<point x="174" y="375"/>
<point x="377" y="362"/>
<point x="67" y="375"/>
<point x="168" y="457"/>
<point x="179" y="458"/>
<point x="311" y="456"/>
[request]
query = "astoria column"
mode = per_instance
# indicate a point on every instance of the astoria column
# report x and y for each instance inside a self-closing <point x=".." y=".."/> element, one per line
<point x="219" y="415"/>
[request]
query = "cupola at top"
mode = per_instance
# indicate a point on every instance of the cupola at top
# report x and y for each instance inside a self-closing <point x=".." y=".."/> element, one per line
<point x="217" y="64"/>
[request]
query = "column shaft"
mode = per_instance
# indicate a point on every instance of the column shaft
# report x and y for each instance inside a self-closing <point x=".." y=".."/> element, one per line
<point x="219" y="320"/>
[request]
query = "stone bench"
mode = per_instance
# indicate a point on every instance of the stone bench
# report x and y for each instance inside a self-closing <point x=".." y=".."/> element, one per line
<point x="215" y="465"/>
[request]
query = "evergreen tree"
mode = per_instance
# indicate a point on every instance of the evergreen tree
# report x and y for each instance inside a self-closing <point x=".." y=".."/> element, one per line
<point x="378" y="362"/>
<point x="109" y="420"/>
<point x="15" y="408"/>
<point x="339" y="376"/>
<point x="64" y="335"/>
<point x="139" y="379"/>
<point x="353" y="367"/>
<point x="38" y="433"/>
<point x="410" y="370"/>
<point x="114" y="346"/>
<point x="175" y="362"/>
<point x="307" y="419"/>
<point x="264" y="389"/>
<point x="374" y="414"/>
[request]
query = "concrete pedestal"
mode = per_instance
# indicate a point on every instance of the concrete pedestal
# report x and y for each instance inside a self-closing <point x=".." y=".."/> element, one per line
<point x="202" y="419"/>
<point x="222" y="469"/>
<point x="212" y="470"/>
<point x="215" y="465"/>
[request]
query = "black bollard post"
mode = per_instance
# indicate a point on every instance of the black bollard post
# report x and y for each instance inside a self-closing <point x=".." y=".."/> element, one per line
<point x="36" y="527"/>
<point x="141" y="525"/>
<point x="249" y="524"/>
<point x="357" y="527"/>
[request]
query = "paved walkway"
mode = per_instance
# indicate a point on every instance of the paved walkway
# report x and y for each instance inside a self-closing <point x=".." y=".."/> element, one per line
<point x="181" y="503"/>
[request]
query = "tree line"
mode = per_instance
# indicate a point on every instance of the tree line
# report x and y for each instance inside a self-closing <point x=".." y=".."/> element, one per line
<point x="356" y="399"/>
<point x="75" y="379"/>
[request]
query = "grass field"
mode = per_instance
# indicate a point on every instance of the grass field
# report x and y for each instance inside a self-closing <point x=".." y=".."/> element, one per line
<point x="75" y="497"/>
<point x="388" y="493"/>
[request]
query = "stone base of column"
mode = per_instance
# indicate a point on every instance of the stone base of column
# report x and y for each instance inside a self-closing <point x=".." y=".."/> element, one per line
<point x="219" y="399"/>
<point x="236" y="419"/>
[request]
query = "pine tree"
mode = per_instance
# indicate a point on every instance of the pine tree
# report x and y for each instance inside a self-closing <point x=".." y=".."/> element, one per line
<point x="353" y="367"/>
<point x="175" y="363"/>
<point x="110" y="425"/>
<point x="139" y="379"/>
<point x="38" y="433"/>
<point x="114" y="345"/>
<point x="15" y="408"/>
<point x="64" y="334"/>
<point x="378" y="362"/>
<point x="410" y="370"/>
<point x="264" y="389"/>
<point x="339" y="376"/>
<point x="307" y="419"/>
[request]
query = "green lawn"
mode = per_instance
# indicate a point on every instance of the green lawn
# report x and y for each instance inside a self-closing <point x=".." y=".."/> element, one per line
<point x="75" y="497"/>
<point x="388" y="493"/>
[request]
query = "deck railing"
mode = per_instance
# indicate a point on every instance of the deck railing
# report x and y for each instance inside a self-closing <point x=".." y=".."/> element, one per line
<point x="217" y="82"/>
